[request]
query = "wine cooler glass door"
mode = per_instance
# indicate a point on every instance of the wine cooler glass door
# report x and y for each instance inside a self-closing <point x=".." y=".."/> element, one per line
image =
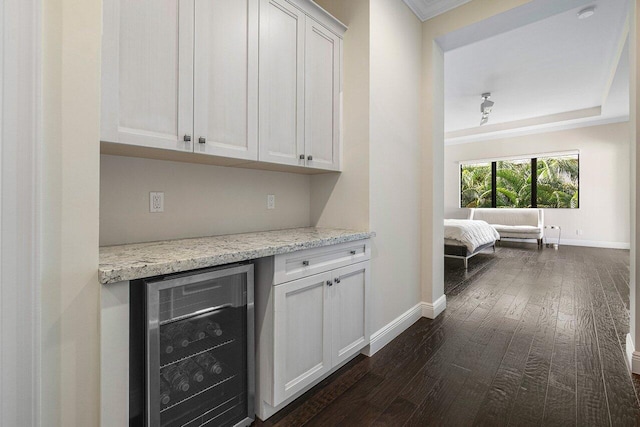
<point x="200" y="348"/>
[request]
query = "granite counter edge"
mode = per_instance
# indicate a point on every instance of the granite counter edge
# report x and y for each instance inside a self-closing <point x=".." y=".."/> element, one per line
<point x="114" y="275"/>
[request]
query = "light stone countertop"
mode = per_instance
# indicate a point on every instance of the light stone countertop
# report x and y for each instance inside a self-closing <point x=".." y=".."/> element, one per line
<point x="140" y="260"/>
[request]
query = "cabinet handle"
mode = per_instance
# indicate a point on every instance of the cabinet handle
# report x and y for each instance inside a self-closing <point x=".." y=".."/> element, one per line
<point x="309" y="158"/>
<point x="353" y="252"/>
<point x="301" y="156"/>
<point x="305" y="263"/>
<point x="202" y="140"/>
<point x="187" y="138"/>
<point x="329" y="283"/>
<point x="337" y="280"/>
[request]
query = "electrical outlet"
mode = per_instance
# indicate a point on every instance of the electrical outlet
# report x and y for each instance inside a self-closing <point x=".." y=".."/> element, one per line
<point x="156" y="201"/>
<point x="271" y="201"/>
<point x="579" y="232"/>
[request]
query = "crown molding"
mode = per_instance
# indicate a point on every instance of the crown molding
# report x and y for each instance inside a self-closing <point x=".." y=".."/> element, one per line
<point x="427" y="9"/>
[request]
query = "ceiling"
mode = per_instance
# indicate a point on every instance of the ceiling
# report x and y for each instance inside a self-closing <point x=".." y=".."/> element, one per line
<point x="544" y="67"/>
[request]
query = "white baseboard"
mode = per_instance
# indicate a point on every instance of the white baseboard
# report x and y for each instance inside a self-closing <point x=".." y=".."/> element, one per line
<point x="391" y="330"/>
<point x="431" y="311"/>
<point x="595" y="244"/>
<point x="387" y="333"/>
<point x="633" y="356"/>
<point x="570" y="242"/>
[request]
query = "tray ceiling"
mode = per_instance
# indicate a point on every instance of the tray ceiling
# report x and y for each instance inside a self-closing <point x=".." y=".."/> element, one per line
<point x="554" y="70"/>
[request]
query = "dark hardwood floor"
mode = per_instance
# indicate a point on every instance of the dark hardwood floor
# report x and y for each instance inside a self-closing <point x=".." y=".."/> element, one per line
<point x="529" y="337"/>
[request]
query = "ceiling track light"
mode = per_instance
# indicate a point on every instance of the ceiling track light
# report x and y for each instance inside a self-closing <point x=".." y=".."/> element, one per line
<point x="485" y="108"/>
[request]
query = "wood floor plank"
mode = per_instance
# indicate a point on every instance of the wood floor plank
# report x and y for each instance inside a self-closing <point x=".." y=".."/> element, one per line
<point x="529" y="337"/>
<point x="396" y="414"/>
<point x="560" y="408"/>
<point x="435" y="403"/>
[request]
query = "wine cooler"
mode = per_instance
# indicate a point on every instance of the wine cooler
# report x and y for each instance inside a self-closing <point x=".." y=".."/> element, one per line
<point x="200" y="348"/>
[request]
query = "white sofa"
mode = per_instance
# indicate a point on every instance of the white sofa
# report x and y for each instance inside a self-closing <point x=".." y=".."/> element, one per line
<point x="513" y="223"/>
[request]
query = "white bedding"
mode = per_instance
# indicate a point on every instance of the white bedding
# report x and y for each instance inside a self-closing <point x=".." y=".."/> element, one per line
<point x="470" y="233"/>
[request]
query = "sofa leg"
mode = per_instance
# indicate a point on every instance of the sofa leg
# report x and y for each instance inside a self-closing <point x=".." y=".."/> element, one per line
<point x="540" y="243"/>
<point x="466" y="263"/>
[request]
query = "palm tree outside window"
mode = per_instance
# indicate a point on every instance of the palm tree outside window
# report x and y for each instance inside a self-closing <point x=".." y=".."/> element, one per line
<point x="543" y="182"/>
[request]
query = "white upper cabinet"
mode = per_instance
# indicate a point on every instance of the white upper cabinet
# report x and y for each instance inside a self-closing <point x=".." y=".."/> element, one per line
<point x="147" y="73"/>
<point x="322" y="97"/>
<point x="226" y="78"/>
<point x="254" y="80"/>
<point x="300" y="72"/>
<point x="282" y="31"/>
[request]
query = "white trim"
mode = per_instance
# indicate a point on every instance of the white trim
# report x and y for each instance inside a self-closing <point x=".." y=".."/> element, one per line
<point x="584" y="243"/>
<point x="595" y="244"/>
<point x="20" y="205"/>
<point x="431" y="311"/>
<point x="522" y="157"/>
<point x="537" y="130"/>
<point x="391" y="330"/>
<point x="114" y="355"/>
<point x="633" y="357"/>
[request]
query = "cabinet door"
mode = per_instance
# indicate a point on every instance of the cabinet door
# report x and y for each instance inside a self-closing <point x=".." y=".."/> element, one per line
<point x="302" y="335"/>
<point x="281" y="100"/>
<point x="147" y="73"/>
<point x="349" y="311"/>
<point x="322" y="97"/>
<point x="226" y="78"/>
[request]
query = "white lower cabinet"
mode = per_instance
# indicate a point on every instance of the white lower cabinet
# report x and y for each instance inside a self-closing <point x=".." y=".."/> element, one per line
<point x="302" y="334"/>
<point x="307" y="327"/>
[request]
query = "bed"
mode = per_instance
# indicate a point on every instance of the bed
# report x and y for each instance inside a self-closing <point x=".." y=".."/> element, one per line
<point x="465" y="238"/>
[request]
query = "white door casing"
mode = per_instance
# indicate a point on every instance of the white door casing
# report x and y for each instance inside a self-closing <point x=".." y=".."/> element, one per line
<point x="20" y="145"/>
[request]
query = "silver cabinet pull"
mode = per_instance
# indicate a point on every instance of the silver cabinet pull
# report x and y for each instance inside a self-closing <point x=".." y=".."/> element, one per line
<point x="329" y="283"/>
<point x="187" y="138"/>
<point x="305" y="263"/>
<point x="202" y="140"/>
<point x="301" y="156"/>
<point x="309" y="158"/>
<point x="337" y="280"/>
<point x="353" y="252"/>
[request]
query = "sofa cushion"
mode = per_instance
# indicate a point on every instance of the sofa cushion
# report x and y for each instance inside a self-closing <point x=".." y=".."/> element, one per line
<point x="521" y="231"/>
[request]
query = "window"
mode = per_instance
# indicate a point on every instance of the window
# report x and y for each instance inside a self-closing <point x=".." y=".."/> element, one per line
<point x="544" y="182"/>
<point x="513" y="184"/>
<point x="475" y="185"/>
<point x="558" y="179"/>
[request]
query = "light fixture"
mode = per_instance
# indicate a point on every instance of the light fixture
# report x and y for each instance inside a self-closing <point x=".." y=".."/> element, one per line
<point x="587" y="12"/>
<point x="485" y="108"/>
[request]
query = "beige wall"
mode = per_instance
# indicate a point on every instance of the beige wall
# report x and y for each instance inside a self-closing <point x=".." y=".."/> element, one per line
<point x="603" y="216"/>
<point x="70" y="177"/>
<point x="396" y="43"/>
<point x="200" y="200"/>
<point x="432" y="119"/>
<point x="342" y="200"/>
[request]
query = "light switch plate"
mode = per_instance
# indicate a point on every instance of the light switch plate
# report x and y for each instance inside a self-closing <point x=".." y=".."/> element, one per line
<point x="271" y="201"/>
<point x="156" y="201"/>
